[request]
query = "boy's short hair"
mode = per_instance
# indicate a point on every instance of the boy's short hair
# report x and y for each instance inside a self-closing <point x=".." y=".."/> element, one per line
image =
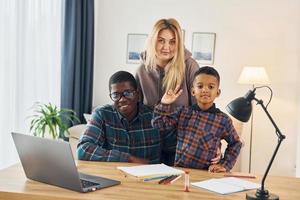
<point x="122" y="76"/>
<point x="209" y="71"/>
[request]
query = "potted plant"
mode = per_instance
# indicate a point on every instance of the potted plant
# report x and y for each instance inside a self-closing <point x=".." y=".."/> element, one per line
<point x="51" y="121"/>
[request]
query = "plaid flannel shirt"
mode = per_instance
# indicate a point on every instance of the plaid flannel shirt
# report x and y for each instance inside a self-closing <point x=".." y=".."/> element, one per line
<point x="199" y="134"/>
<point x="111" y="137"/>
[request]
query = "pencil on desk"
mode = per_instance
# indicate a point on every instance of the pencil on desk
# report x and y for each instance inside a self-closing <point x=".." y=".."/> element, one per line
<point x="155" y="178"/>
<point x="174" y="179"/>
<point x="239" y="175"/>
<point x="167" y="179"/>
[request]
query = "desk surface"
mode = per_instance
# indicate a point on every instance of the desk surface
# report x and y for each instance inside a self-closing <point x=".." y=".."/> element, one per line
<point x="14" y="185"/>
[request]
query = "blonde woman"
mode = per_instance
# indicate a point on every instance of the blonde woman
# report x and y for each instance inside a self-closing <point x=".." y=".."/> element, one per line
<point x="165" y="64"/>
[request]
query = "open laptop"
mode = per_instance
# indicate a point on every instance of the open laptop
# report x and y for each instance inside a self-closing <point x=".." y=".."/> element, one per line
<point x="51" y="161"/>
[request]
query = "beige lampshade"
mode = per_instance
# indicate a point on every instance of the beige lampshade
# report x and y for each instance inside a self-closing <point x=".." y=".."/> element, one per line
<point x="253" y="76"/>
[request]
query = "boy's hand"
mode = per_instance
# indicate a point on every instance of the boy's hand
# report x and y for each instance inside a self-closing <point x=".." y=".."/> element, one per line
<point x="216" y="168"/>
<point x="171" y="95"/>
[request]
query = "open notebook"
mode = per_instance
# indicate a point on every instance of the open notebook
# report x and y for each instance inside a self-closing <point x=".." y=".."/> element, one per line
<point x="144" y="171"/>
<point x="226" y="185"/>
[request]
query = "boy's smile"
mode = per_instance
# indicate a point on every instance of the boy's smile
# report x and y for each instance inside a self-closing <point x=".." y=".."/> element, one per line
<point x="205" y="89"/>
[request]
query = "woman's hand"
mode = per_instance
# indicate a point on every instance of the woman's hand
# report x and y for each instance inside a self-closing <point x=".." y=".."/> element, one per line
<point x="171" y="95"/>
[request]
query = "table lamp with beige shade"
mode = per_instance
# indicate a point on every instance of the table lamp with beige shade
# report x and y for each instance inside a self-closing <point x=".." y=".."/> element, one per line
<point x="253" y="75"/>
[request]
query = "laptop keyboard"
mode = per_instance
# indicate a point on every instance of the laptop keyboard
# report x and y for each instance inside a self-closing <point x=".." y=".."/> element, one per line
<point x="86" y="184"/>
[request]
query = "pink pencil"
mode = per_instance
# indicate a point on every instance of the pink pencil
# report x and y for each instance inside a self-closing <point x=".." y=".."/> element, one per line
<point x="173" y="180"/>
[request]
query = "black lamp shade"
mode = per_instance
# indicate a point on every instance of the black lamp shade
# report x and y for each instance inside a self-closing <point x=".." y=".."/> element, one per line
<point x="240" y="109"/>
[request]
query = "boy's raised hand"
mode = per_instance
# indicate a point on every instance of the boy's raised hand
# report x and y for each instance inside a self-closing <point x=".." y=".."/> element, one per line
<point x="171" y="95"/>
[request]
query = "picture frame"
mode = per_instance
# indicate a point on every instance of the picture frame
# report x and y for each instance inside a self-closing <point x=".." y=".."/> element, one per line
<point x="203" y="47"/>
<point x="135" y="45"/>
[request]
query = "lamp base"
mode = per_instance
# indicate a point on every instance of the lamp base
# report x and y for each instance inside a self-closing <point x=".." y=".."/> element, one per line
<point x="261" y="195"/>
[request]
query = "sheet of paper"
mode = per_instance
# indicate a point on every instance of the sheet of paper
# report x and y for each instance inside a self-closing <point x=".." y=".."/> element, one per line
<point x="246" y="185"/>
<point x="226" y="185"/>
<point x="150" y="170"/>
<point x="219" y="187"/>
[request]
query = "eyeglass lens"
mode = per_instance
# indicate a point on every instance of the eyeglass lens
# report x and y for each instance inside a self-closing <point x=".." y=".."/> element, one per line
<point x="115" y="96"/>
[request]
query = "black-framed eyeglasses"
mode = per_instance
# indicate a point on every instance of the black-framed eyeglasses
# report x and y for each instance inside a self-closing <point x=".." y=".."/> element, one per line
<point x="116" y="96"/>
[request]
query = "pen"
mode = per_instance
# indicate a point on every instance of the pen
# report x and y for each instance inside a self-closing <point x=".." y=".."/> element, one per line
<point x="174" y="179"/>
<point x="239" y="175"/>
<point x="166" y="179"/>
<point x="155" y="178"/>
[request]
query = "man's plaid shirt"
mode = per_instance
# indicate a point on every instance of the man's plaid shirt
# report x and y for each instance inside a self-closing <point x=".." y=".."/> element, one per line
<point x="111" y="137"/>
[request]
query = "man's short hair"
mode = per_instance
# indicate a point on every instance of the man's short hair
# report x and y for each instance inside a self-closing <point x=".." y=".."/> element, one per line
<point x="209" y="71"/>
<point x="122" y="76"/>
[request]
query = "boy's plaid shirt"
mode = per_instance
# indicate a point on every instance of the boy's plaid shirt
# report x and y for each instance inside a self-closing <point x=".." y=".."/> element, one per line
<point x="199" y="134"/>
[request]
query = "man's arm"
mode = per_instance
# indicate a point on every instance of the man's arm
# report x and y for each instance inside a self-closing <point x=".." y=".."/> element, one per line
<point x="90" y="146"/>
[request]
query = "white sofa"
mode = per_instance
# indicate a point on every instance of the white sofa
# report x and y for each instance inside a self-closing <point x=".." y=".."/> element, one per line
<point x="75" y="133"/>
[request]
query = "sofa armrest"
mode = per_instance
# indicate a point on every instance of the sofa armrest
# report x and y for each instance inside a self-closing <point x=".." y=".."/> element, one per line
<point x="75" y="133"/>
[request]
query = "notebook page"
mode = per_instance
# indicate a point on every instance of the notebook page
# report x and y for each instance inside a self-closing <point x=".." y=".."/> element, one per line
<point x="246" y="185"/>
<point x="150" y="170"/>
<point x="219" y="187"/>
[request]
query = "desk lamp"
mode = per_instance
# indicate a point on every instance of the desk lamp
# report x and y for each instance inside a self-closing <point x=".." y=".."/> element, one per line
<point x="241" y="109"/>
<point x="251" y="75"/>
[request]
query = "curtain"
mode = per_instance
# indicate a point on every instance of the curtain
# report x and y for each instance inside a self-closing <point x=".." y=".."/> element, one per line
<point x="78" y="56"/>
<point x="30" y="53"/>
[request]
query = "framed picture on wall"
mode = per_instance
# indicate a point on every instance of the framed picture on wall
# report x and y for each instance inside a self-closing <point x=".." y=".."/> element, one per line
<point x="203" y="47"/>
<point x="135" y="45"/>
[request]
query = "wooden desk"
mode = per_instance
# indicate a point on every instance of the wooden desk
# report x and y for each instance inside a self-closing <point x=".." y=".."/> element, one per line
<point x="14" y="185"/>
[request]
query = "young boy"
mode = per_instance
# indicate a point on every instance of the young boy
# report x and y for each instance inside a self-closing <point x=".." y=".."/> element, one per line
<point x="201" y="127"/>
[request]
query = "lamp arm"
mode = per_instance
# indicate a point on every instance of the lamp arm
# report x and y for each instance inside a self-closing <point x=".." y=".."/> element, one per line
<point x="278" y="132"/>
<point x="280" y="138"/>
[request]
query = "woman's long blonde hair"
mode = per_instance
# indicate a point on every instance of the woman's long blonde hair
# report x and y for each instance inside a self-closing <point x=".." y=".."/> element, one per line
<point x="175" y="69"/>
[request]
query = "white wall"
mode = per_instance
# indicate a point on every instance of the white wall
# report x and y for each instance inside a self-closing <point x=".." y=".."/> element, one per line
<point x="298" y="145"/>
<point x="250" y="32"/>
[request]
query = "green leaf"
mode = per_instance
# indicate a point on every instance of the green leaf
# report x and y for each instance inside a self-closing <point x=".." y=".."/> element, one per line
<point x="50" y="117"/>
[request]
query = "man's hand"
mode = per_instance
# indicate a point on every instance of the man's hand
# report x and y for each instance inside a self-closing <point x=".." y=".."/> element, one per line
<point x="218" y="157"/>
<point x="134" y="159"/>
<point x="216" y="168"/>
<point x="171" y="95"/>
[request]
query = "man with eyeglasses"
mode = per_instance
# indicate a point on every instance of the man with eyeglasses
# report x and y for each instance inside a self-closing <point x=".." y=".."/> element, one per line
<point x="121" y="131"/>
